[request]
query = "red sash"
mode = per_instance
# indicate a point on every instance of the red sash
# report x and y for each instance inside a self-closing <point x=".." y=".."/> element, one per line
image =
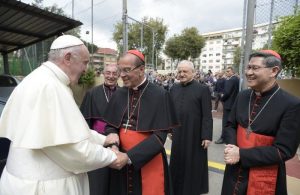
<point x="153" y="172"/>
<point x="262" y="180"/>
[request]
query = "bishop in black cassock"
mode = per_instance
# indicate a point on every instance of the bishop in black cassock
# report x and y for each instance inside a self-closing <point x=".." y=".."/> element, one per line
<point x="92" y="108"/>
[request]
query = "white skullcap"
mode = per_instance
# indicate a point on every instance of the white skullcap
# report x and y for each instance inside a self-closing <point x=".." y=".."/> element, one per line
<point x="65" y="41"/>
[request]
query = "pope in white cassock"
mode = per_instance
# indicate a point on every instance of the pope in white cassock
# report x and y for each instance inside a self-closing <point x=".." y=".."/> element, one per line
<point x="52" y="147"/>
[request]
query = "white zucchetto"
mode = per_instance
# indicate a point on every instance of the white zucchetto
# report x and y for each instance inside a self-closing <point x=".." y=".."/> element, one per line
<point x="65" y="41"/>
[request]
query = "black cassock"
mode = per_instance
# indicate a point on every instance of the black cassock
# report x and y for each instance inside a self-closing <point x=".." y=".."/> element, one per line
<point x="188" y="164"/>
<point x="154" y="114"/>
<point x="93" y="106"/>
<point x="279" y="119"/>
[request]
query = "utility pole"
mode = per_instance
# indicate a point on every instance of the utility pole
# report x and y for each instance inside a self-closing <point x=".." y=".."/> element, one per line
<point x="72" y="9"/>
<point x="270" y="25"/>
<point x="142" y="37"/>
<point x="92" y="34"/>
<point x="249" y="35"/>
<point x="241" y="67"/>
<point x="125" y="33"/>
<point x="153" y="45"/>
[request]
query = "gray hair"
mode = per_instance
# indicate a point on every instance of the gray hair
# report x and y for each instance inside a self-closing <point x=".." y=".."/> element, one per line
<point x="111" y="65"/>
<point x="187" y="62"/>
<point x="57" y="54"/>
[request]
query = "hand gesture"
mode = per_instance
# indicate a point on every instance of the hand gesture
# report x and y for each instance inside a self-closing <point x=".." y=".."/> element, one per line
<point x="121" y="161"/>
<point x="231" y="154"/>
<point x="112" y="138"/>
<point x="205" y="143"/>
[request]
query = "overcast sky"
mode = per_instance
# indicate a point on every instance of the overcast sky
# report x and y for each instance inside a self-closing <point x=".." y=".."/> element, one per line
<point x="206" y="15"/>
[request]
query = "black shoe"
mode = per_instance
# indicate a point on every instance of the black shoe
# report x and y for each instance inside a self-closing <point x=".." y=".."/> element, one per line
<point x="219" y="141"/>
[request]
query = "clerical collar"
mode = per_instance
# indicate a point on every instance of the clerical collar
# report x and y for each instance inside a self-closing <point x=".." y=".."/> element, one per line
<point x="111" y="88"/>
<point x="188" y="83"/>
<point x="268" y="92"/>
<point x="141" y="85"/>
<point x="59" y="73"/>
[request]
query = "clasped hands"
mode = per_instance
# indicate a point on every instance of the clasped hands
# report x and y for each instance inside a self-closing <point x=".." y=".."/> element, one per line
<point x="231" y="154"/>
<point x="122" y="158"/>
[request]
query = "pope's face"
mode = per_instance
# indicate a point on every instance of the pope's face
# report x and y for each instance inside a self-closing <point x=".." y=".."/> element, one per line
<point x="131" y="75"/>
<point x="79" y="61"/>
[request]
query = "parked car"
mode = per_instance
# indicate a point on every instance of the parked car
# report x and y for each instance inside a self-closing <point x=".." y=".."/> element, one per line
<point x="7" y="85"/>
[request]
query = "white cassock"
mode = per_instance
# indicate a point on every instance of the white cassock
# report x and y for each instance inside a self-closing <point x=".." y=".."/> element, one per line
<point x="52" y="147"/>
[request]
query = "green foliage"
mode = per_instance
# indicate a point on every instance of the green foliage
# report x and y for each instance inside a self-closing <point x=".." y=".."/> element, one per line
<point x="187" y="45"/>
<point x="88" y="78"/>
<point x="91" y="47"/>
<point x="134" y="36"/>
<point x="286" y="41"/>
<point x="237" y="59"/>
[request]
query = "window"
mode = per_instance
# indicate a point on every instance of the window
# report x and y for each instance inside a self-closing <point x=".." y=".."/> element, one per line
<point x="218" y="54"/>
<point x="210" y="54"/>
<point x="204" y="67"/>
<point x="203" y="61"/>
<point x="210" y="67"/>
<point x="204" y="55"/>
<point x="210" y="61"/>
<point x="211" y="49"/>
<point x="217" y="60"/>
<point x="211" y="42"/>
<point x="217" y="67"/>
<point x="218" y="41"/>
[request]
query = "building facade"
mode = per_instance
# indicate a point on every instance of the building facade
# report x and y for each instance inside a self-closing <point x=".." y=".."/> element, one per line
<point x="104" y="56"/>
<point x="218" y="52"/>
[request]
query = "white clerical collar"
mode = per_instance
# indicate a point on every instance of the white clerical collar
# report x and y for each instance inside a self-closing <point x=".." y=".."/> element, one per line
<point x="137" y="87"/>
<point x="59" y="73"/>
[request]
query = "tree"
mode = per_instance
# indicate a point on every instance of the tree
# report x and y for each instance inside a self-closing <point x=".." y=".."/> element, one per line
<point x="286" y="41"/>
<point x="134" y="36"/>
<point x="187" y="45"/>
<point x="237" y="59"/>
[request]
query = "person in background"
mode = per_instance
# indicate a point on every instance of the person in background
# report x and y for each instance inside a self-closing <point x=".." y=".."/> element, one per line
<point x="230" y="92"/>
<point x="219" y="90"/>
<point x="188" y="162"/>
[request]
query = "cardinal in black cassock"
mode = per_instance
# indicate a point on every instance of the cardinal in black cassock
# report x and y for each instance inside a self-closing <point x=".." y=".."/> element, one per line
<point x="188" y="163"/>
<point x="262" y="131"/>
<point x="142" y="114"/>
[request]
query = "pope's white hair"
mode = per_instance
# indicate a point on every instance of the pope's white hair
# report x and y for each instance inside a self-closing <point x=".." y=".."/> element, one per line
<point x="187" y="62"/>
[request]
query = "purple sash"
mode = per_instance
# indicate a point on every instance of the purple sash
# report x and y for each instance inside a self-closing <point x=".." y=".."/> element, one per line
<point x="99" y="126"/>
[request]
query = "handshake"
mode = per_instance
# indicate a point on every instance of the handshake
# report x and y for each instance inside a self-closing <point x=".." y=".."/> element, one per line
<point x="112" y="141"/>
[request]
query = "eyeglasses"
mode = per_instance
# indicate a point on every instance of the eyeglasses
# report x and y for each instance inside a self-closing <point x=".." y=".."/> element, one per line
<point x="127" y="70"/>
<point x="255" y="68"/>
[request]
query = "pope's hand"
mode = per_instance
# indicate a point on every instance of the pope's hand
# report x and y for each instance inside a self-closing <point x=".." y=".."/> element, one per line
<point x="121" y="161"/>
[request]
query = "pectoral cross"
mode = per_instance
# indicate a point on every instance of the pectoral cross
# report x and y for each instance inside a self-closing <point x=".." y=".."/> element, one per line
<point x="127" y="125"/>
<point x="248" y="131"/>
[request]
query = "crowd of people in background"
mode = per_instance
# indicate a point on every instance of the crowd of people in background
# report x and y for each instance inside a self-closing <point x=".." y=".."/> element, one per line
<point x="215" y="81"/>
